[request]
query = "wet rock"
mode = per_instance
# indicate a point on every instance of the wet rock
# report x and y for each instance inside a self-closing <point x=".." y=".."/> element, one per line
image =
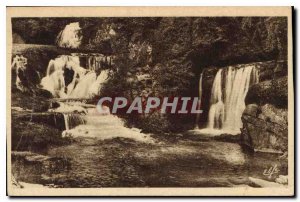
<point x="251" y="110"/>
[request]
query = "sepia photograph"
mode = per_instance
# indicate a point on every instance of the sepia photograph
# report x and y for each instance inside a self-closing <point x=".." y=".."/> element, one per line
<point x="150" y="101"/>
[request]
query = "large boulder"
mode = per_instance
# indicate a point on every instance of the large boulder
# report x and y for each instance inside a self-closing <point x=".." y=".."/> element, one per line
<point x="265" y="119"/>
<point x="265" y="128"/>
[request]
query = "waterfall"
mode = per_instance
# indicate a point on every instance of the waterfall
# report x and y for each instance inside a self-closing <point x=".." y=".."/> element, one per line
<point x="72" y="120"/>
<point x="81" y="90"/>
<point x="200" y="98"/>
<point x="70" y="36"/>
<point x="84" y="83"/>
<point x="227" y="101"/>
<point x="20" y="65"/>
<point x="95" y="87"/>
<point x="216" y="112"/>
<point x="73" y="112"/>
<point x="54" y="80"/>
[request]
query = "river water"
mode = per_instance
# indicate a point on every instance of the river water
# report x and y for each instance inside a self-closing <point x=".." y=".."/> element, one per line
<point x="124" y="162"/>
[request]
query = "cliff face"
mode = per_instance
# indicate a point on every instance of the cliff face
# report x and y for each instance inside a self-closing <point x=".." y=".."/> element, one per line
<point x="265" y="119"/>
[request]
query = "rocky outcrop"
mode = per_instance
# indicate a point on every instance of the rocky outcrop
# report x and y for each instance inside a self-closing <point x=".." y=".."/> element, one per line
<point x="52" y="119"/>
<point x="265" y="119"/>
<point x="274" y="92"/>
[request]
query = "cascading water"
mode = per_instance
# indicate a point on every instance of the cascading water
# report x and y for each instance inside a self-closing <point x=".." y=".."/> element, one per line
<point x="105" y="126"/>
<point x="96" y="85"/>
<point x="216" y="112"/>
<point x="200" y="98"/>
<point x="70" y="37"/>
<point x="54" y="80"/>
<point x="227" y="101"/>
<point x="82" y="119"/>
<point x="84" y="84"/>
<point x="73" y="119"/>
<point x="73" y="112"/>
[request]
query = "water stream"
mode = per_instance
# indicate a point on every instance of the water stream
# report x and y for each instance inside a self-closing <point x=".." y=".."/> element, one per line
<point x="200" y="100"/>
<point x="70" y="36"/>
<point x="65" y="78"/>
<point x="227" y="101"/>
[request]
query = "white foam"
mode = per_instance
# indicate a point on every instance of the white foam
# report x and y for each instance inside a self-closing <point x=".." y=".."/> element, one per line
<point x="106" y="126"/>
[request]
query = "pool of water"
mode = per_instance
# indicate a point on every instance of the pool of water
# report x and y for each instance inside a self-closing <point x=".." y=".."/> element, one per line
<point x="121" y="162"/>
